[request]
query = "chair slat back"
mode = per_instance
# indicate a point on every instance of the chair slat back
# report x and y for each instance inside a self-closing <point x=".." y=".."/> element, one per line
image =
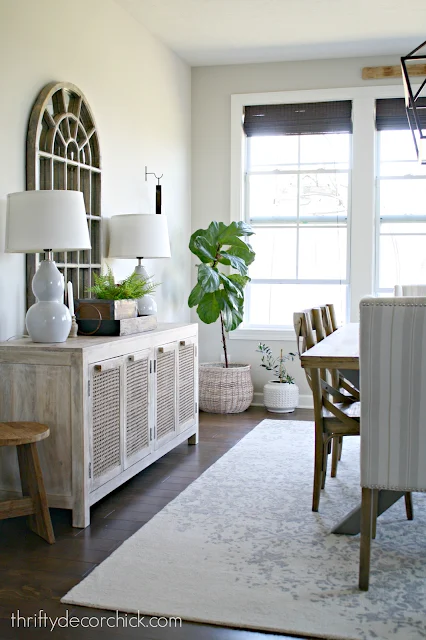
<point x="332" y="314"/>
<point x="317" y="314"/>
<point x="393" y="392"/>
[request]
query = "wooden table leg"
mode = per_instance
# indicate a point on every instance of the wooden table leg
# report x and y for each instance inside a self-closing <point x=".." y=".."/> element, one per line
<point x="351" y="524"/>
<point x="319" y="439"/>
<point x="33" y="486"/>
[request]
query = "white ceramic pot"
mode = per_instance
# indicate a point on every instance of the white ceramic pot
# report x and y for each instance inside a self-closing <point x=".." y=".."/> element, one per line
<point x="280" y="397"/>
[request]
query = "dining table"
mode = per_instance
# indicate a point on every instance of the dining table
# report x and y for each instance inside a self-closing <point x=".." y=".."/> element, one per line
<point x="340" y="351"/>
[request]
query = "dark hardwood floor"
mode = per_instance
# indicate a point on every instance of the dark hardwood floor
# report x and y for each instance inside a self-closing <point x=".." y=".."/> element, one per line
<point x="35" y="575"/>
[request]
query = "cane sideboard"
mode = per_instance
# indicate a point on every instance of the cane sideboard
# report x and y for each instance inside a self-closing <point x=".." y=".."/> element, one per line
<point x="113" y="407"/>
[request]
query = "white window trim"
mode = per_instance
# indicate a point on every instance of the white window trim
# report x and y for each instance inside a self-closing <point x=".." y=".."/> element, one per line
<point x="361" y="227"/>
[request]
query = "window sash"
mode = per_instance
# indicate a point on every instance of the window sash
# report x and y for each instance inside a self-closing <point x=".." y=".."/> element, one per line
<point x="381" y="219"/>
<point x="322" y="221"/>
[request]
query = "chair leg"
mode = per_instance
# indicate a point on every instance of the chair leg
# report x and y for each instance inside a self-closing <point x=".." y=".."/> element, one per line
<point x="33" y="486"/>
<point x="365" y="543"/>
<point x="335" y="457"/>
<point x="409" y="506"/>
<point x="340" y="447"/>
<point x="326" y="452"/>
<point x="318" y="473"/>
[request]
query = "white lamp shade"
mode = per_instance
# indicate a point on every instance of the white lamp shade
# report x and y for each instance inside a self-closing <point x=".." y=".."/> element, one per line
<point x="40" y="220"/>
<point x="139" y="235"/>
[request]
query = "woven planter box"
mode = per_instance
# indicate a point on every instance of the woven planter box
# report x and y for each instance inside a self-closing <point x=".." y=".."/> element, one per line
<point x="225" y="390"/>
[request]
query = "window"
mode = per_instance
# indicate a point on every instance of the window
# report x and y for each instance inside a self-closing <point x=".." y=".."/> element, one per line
<point x="401" y="201"/>
<point x="296" y="199"/>
<point x="329" y="180"/>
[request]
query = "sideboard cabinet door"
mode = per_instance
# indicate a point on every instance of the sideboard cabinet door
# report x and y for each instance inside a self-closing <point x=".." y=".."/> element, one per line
<point x="165" y="393"/>
<point x="138" y="414"/>
<point x="187" y="381"/>
<point x="106" y="408"/>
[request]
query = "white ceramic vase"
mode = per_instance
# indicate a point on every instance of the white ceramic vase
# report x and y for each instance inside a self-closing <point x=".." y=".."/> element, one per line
<point x="48" y="320"/>
<point x="280" y="397"/>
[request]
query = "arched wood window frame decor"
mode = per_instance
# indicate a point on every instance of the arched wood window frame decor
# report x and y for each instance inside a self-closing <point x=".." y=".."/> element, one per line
<point x="63" y="153"/>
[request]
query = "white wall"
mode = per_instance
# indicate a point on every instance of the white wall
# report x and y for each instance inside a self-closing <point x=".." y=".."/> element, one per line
<point x="212" y="88"/>
<point x="140" y="95"/>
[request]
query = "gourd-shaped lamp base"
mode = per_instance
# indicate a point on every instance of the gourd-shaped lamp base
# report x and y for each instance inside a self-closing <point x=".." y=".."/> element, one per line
<point x="146" y="305"/>
<point x="48" y="320"/>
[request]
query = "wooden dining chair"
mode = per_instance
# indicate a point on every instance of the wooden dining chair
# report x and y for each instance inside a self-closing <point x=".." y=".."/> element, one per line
<point x="393" y="391"/>
<point x="336" y="401"/>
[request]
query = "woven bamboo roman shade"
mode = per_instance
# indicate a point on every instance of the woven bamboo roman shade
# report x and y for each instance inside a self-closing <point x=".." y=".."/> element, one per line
<point x="298" y="119"/>
<point x="391" y="114"/>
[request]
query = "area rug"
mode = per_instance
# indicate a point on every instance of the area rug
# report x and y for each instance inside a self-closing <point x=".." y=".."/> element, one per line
<point x="240" y="547"/>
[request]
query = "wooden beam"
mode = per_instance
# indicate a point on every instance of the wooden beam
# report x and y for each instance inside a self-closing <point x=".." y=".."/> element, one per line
<point x="16" y="508"/>
<point x="380" y="73"/>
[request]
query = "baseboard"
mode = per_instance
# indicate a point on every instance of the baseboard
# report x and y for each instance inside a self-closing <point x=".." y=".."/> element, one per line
<point x="305" y="401"/>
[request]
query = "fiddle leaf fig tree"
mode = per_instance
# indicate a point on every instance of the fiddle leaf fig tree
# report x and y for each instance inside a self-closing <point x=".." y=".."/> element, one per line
<point x="218" y="294"/>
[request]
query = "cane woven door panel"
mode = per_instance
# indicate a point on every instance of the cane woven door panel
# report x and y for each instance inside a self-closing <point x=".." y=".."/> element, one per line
<point x="106" y="420"/>
<point x="166" y="394"/>
<point x="137" y="410"/>
<point x="186" y="385"/>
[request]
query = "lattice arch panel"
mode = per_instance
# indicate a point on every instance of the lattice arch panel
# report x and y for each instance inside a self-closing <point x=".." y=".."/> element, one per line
<point x="63" y="153"/>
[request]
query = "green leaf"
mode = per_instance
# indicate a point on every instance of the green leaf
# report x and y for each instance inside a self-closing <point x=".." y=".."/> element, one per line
<point x="232" y="309"/>
<point x="235" y="261"/>
<point x="208" y="278"/>
<point x="231" y="286"/>
<point x="242" y="250"/>
<point x="239" y="280"/>
<point x="201" y="246"/>
<point x="206" y="251"/>
<point x="229" y="233"/>
<point x="209" y="309"/>
<point x="195" y="296"/>
<point x="232" y="319"/>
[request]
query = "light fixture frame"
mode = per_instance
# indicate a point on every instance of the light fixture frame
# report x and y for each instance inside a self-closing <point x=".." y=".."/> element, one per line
<point x="412" y="102"/>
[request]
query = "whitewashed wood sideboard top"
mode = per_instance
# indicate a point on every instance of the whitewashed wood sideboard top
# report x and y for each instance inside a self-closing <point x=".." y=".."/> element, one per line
<point x="93" y="342"/>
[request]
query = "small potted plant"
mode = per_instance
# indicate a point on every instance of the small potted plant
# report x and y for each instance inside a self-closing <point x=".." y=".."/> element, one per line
<point x="280" y="395"/>
<point x="224" y="387"/>
<point x="112" y="301"/>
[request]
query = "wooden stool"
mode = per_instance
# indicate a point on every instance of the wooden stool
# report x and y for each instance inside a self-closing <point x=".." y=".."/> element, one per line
<point x="24" y="436"/>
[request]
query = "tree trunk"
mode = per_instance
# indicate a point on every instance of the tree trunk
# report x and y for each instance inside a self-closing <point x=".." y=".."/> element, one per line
<point x="225" y="351"/>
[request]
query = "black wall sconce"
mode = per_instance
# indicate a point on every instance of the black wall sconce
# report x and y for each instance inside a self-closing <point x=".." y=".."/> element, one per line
<point x="415" y="102"/>
<point x="157" y="189"/>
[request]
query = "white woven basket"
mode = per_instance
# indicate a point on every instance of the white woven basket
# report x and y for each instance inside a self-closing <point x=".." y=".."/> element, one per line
<point x="225" y="390"/>
<point x="280" y="397"/>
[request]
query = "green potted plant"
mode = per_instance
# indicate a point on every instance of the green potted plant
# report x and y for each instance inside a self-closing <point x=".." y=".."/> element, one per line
<point x="112" y="301"/>
<point x="280" y="395"/>
<point x="218" y="295"/>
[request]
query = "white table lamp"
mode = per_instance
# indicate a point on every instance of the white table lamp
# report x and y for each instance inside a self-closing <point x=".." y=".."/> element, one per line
<point x="140" y="235"/>
<point x="47" y="221"/>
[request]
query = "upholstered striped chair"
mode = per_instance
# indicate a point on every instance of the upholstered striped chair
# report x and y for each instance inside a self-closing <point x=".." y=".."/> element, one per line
<point x="393" y="407"/>
<point x="409" y="290"/>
